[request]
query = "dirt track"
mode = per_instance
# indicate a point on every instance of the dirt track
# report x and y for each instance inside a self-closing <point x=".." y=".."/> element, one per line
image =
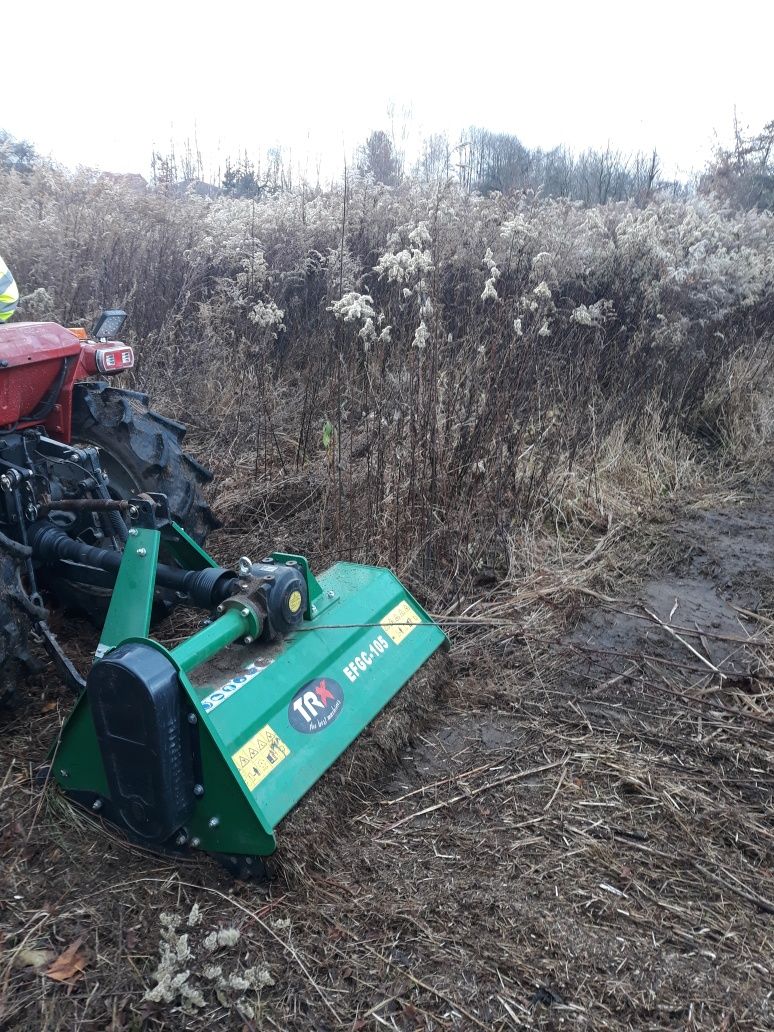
<point x="578" y="835"/>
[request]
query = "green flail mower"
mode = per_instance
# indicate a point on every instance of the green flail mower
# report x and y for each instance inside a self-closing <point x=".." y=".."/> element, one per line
<point x="210" y="744"/>
<point x="206" y="746"/>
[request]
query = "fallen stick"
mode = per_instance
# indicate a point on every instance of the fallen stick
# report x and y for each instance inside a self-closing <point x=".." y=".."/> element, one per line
<point x="696" y="632"/>
<point x="475" y="792"/>
<point x="556" y="790"/>
<point x="682" y="641"/>
<point x="433" y="784"/>
<point x="740" y="890"/>
<point x="753" y="616"/>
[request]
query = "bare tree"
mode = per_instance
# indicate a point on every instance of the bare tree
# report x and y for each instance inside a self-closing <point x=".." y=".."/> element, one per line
<point x="744" y="173"/>
<point x="434" y="164"/>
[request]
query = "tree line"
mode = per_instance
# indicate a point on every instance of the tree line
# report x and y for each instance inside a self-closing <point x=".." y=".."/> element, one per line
<point x="481" y="161"/>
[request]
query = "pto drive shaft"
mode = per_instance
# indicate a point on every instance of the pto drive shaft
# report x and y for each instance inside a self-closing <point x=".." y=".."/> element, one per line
<point x="206" y="588"/>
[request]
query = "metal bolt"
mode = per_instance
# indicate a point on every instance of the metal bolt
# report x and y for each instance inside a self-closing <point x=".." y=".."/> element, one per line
<point x="97" y="805"/>
<point x="331" y="594"/>
<point x="133" y="532"/>
<point x="198" y="790"/>
<point x="142" y="552"/>
<point x="5" y="482"/>
<point x="213" y="822"/>
<point x="64" y="773"/>
<point x="196" y="842"/>
<point x="134" y="512"/>
<point x="314" y="608"/>
<point x="244" y="566"/>
<point x="73" y="456"/>
<point x="248" y="640"/>
<point x="181" y="839"/>
<point x="192" y="718"/>
<point x="245" y="611"/>
<point x="106" y="478"/>
<point x="219" y="609"/>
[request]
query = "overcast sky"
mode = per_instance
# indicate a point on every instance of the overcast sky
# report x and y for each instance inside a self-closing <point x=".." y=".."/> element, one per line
<point x="103" y="83"/>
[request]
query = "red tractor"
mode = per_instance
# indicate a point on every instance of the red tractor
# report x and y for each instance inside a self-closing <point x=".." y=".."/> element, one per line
<point x="73" y="452"/>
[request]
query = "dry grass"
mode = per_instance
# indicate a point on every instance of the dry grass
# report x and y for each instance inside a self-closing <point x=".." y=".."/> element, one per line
<point x="569" y="825"/>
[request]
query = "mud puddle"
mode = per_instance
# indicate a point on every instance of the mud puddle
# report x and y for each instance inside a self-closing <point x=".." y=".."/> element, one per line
<point x="699" y="614"/>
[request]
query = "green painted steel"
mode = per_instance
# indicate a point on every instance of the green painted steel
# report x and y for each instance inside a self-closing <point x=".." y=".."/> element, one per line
<point x="189" y="553"/>
<point x="130" y="607"/>
<point x="225" y="819"/>
<point x="76" y="762"/>
<point x="351" y="645"/>
<point x="203" y="645"/>
<point x="272" y="719"/>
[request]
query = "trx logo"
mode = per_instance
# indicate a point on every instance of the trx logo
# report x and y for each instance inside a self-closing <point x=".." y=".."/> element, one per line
<point x="316" y="705"/>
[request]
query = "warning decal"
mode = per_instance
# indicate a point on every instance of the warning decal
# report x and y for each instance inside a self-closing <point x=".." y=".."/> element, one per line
<point x="259" y="756"/>
<point x="400" y="622"/>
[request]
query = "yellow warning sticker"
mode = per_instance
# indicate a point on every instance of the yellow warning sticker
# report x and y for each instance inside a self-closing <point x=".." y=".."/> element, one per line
<point x="260" y="756"/>
<point x="294" y="602"/>
<point x="400" y="622"/>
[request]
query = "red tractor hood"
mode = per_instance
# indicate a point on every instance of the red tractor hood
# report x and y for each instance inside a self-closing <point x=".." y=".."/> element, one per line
<point x="38" y="364"/>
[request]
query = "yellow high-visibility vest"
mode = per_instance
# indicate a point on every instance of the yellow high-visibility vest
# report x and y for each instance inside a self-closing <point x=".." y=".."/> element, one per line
<point x="9" y="293"/>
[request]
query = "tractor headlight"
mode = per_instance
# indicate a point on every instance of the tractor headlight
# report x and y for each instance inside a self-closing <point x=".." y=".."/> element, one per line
<point x="108" y="325"/>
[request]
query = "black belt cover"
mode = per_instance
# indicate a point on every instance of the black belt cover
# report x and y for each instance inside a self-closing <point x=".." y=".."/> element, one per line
<point x="136" y="702"/>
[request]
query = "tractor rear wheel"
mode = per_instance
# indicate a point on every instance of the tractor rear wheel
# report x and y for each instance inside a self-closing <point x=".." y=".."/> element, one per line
<point x="140" y="451"/>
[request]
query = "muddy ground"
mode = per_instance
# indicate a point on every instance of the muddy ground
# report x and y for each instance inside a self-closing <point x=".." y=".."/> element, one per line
<point x="563" y="827"/>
